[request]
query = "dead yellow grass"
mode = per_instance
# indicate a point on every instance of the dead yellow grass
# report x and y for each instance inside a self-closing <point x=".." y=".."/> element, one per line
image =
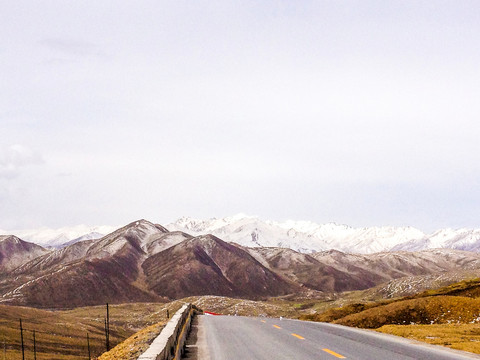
<point x="429" y="310"/>
<point x="351" y="301"/>
<point x="135" y="345"/>
<point x="464" y="337"/>
<point x="61" y="335"/>
<point x="466" y="288"/>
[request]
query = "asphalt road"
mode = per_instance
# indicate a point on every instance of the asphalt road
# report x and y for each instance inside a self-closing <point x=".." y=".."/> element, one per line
<point x="236" y="337"/>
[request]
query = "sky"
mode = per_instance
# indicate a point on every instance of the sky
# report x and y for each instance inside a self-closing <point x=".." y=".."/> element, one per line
<point x="363" y="113"/>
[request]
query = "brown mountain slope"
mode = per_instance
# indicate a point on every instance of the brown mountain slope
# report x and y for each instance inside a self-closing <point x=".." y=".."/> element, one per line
<point x="311" y="273"/>
<point x="15" y="252"/>
<point x="335" y="271"/>
<point x="88" y="282"/>
<point x="61" y="256"/>
<point x="382" y="267"/>
<point x="206" y="265"/>
<point x="86" y="273"/>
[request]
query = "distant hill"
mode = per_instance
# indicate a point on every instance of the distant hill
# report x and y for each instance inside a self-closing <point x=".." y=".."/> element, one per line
<point x="15" y="252"/>
<point x="57" y="238"/>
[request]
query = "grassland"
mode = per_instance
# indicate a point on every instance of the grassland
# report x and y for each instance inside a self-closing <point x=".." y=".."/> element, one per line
<point x="464" y="337"/>
<point x="61" y="335"/>
<point x="135" y="345"/>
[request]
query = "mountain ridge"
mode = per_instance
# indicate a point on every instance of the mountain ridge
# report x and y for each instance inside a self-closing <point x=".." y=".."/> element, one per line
<point x="143" y="261"/>
<point x="125" y="266"/>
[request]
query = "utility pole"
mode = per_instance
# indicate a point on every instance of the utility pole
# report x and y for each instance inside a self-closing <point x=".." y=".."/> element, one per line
<point x="21" y="337"/>
<point x="106" y="334"/>
<point x="4" y="348"/>
<point x="107" y="329"/>
<point x="88" y="346"/>
<point x="34" y="347"/>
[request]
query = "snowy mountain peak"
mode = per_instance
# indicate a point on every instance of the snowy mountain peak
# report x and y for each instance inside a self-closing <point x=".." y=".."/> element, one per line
<point x="199" y="226"/>
<point x="251" y="231"/>
<point x="307" y="236"/>
<point x="59" y="237"/>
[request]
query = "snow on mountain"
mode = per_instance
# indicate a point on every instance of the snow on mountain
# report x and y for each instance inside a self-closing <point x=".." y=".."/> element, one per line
<point x="305" y="236"/>
<point x="302" y="236"/>
<point x="461" y="239"/>
<point x="48" y="237"/>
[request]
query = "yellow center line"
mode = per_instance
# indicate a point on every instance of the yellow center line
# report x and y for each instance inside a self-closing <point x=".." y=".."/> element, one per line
<point x="276" y="326"/>
<point x="298" y="336"/>
<point x="263" y="321"/>
<point x="334" y="353"/>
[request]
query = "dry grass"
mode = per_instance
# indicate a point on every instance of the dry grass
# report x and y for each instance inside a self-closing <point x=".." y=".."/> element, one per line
<point x="333" y="314"/>
<point x="467" y="288"/>
<point x="61" y="335"/>
<point x="429" y="310"/>
<point x="135" y="345"/>
<point x="350" y="305"/>
<point x="464" y="337"/>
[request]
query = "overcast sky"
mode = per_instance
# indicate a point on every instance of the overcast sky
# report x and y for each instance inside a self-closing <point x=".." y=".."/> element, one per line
<point x="356" y="112"/>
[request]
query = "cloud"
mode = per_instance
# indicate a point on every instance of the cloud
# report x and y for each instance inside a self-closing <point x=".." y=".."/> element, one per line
<point x="73" y="47"/>
<point x="16" y="157"/>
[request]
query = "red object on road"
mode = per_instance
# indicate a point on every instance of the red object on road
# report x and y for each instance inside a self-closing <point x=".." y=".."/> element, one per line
<point x="210" y="313"/>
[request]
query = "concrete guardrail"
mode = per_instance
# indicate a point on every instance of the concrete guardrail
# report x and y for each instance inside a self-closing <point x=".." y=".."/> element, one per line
<point x="169" y="344"/>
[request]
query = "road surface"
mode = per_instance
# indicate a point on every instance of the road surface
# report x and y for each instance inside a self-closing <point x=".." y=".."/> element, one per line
<point x="240" y="338"/>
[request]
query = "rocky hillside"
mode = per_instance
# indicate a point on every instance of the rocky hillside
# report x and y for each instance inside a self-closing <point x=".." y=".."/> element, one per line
<point x="206" y="265"/>
<point x="335" y="271"/>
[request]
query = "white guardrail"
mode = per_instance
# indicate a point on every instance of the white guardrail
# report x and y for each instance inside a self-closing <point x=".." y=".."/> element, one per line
<point x="169" y="344"/>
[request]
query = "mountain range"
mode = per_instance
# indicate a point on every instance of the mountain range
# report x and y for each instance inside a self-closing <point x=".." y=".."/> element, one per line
<point x="143" y="262"/>
<point x="301" y="236"/>
<point x="57" y="238"/>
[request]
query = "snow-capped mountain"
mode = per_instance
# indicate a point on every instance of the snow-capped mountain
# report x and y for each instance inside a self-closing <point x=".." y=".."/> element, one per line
<point x="302" y="236"/>
<point x="48" y="237"/>
<point x="306" y="236"/>
<point x="460" y="239"/>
